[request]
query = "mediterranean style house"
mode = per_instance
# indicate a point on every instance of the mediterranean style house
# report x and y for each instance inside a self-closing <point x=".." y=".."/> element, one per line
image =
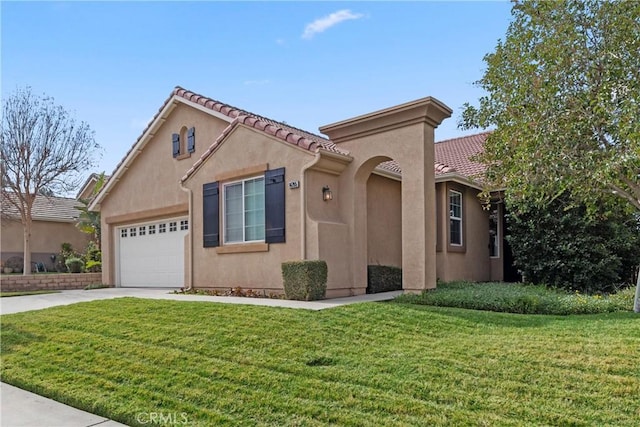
<point x="212" y="196"/>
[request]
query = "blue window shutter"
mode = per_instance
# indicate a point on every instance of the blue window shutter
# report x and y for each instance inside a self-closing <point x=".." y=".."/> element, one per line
<point x="176" y="145"/>
<point x="191" y="140"/>
<point x="210" y="215"/>
<point x="274" y="206"/>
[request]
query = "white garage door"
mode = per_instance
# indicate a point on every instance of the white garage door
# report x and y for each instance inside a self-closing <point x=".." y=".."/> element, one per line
<point x="152" y="254"/>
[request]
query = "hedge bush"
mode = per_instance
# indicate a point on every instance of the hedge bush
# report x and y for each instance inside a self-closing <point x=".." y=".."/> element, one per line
<point x="383" y="278"/>
<point x="305" y="280"/>
<point x="75" y="265"/>
<point x="562" y="246"/>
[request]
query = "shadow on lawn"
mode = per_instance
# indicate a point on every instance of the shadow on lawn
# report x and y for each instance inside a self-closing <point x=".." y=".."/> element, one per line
<point x="12" y="336"/>
<point x="512" y="320"/>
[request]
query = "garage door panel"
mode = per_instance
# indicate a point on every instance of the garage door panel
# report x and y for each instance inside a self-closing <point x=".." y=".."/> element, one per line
<point x="152" y="254"/>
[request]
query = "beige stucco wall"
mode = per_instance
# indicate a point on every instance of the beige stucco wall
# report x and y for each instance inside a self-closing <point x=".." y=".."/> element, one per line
<point x="384" y="221"/>
<point x="243" y="154"/>
<point x="149" y="189"/>
<point x="472" y="261"/>
<point x="46" y="239"/>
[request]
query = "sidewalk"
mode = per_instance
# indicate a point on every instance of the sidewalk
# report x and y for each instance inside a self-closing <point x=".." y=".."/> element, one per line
<point x="21" y="408"/>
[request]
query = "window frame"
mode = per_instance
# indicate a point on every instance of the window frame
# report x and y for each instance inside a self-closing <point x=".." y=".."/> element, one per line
<point x="456" y="247"/>
<point x="495" y="209"/>
<point x="223" y="210"/>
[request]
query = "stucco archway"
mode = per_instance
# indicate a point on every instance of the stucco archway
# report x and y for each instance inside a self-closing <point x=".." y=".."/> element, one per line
<point x="383" y="206"/>
<point x="404" y="133"/>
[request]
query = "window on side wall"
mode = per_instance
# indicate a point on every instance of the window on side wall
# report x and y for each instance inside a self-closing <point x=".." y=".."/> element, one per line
<point x="494" y="231"/>
<point x="455" y="218"/>
<point x="244" y="211"/>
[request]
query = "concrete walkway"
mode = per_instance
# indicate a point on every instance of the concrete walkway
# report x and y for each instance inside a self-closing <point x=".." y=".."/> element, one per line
<point x="38" y="302"/>
<point x="22" y="408"/>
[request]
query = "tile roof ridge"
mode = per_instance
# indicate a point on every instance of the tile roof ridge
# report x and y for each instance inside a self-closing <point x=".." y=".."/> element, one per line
<point x="233" y="112"/>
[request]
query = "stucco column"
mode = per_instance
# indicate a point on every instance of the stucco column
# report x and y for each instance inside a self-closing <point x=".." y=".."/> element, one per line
<point x="404" y="133"/>
<point x="419" y="218"/>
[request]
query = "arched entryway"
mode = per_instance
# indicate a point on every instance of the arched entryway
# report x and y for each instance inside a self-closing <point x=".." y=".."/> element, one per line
<point x="384" y="227"/>
<point x="404" y="133"/>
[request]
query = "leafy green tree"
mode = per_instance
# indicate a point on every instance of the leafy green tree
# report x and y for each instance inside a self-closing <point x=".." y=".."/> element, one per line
<point x="562" y="246"/>
<point x="563" y="95"/>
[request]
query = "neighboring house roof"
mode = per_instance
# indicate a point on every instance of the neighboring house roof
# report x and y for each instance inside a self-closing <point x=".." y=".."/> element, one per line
<point x="89" y="184"/>
<point x="47" y="208"/>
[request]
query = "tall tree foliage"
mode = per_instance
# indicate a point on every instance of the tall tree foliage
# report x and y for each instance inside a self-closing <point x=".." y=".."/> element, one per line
<point x="42" y="151"/>
<point x="561" y="246"/>
<point x="563" y="94"/>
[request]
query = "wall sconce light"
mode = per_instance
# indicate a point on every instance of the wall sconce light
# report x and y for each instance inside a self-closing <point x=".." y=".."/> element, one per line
<point x="326" y="193"/>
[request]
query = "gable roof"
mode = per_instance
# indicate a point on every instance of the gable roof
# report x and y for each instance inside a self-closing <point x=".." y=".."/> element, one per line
<point x="452" y="157"/>
<point x="47" y="208"/>
<point x="229" y="113"/>
<point x="287" y="133"/>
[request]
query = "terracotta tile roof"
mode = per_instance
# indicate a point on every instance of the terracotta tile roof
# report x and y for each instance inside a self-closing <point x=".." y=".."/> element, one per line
<point x="48" y="209"/>
<point x="458" y="154"/>
<point x="453" y="156"/>
<point x="287" y="133"/>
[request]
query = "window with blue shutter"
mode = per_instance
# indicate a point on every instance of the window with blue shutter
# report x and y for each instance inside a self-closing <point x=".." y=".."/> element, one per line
<point x="211" y="215"/>
<point x="274" y="189"/>
<point x="176" y="144"/>
<point x="191" y="140"/>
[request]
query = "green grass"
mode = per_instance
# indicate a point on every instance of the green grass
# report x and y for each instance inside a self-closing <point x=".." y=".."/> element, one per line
<point x="367" y="364"/>
<point x="519" y="298"/>
<point x="21" y="293"/>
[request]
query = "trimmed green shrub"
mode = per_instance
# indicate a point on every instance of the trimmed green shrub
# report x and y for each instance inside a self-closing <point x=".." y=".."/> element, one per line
<point x="305" y="280"/>
<point x="75" y="265"/>
<point x="383" y="278"/>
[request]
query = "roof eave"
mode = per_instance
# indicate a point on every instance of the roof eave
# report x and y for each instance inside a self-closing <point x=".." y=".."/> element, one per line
<point x="460" y="179"/>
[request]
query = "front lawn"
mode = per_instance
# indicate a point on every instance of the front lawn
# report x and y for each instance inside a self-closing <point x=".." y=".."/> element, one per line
<point x="365" y="364"/>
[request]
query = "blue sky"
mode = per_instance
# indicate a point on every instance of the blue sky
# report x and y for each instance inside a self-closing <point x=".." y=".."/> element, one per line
<point x="112" y="64"/>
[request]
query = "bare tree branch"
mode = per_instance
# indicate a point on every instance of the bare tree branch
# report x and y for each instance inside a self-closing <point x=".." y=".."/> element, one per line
<point x="42" y="150"/>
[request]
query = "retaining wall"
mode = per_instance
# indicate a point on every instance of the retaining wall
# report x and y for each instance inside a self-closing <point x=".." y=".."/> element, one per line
<point x="46" y="282"/>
